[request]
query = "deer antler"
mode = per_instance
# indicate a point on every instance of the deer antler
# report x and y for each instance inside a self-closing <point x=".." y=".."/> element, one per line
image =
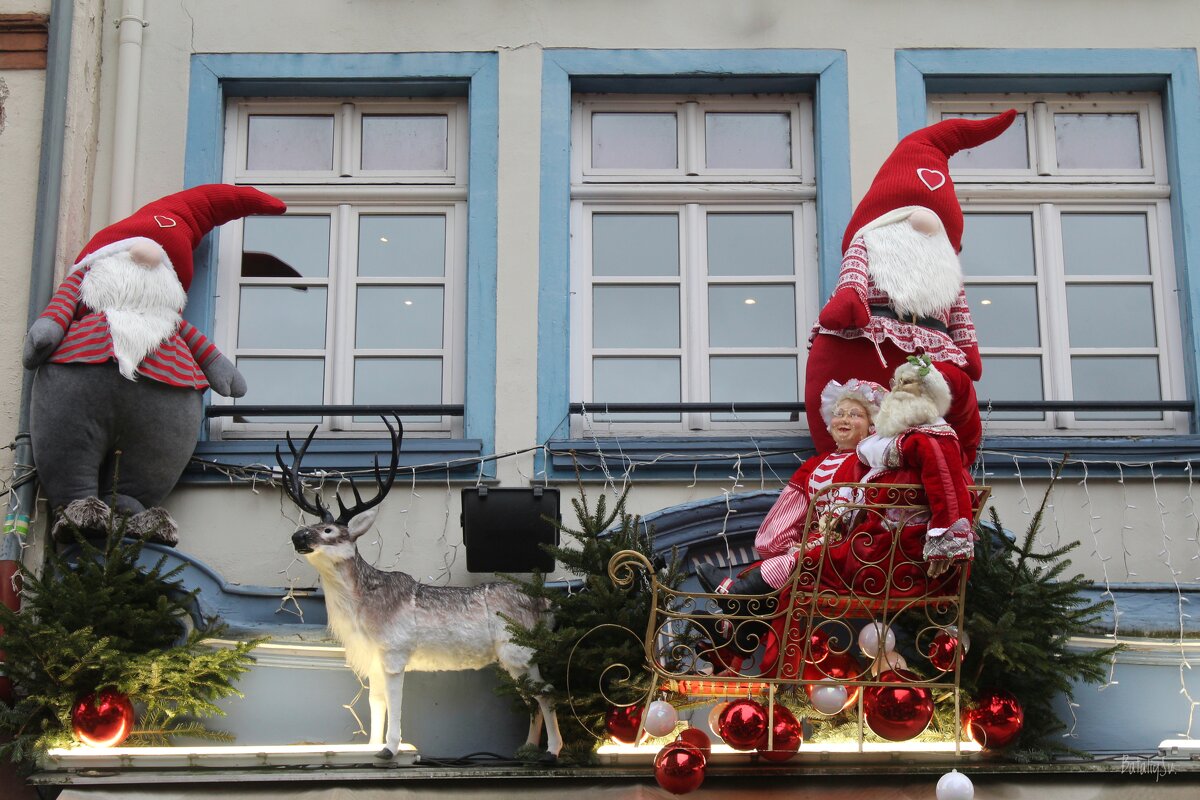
<point x="397" y="436"/>
<point x="293" y="486"/>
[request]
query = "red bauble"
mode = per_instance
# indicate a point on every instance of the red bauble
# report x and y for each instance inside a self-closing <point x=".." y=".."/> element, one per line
<point x="898" y="713"/>
<point x="818" y="645"/>
<point x="102" y="719"/>
<point x="679" y="768"/>
<point x="838" y="666"/>
<point x="696" y="738"/>
<point x="943" y="651"/>
<point x="995" y="721"/>
<point x="788" y="736"/>
<point x="622" y="722"/>
<point x="743" y="724"/>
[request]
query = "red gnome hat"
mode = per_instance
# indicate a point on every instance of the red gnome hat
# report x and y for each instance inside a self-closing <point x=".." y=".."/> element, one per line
<point x="917" y="173"/>
<point x="178" y="222"/>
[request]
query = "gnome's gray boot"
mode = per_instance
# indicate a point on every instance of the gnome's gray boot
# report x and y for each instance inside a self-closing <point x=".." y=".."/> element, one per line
<point x="154" y="525"/>
<point x="88" y="515"/>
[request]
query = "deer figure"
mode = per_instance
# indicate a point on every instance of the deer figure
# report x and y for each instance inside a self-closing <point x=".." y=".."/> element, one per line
<point x="390" y="623"/>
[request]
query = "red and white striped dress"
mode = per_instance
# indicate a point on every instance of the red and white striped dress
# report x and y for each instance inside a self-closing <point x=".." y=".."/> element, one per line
<point x="175" y="362"/>
<point x="783" y="527"/>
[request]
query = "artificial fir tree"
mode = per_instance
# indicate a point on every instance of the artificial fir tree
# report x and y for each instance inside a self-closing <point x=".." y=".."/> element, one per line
<point x="597" y="628"/>
<point x="98" y="619"/>
<point x="1021" y="613"/>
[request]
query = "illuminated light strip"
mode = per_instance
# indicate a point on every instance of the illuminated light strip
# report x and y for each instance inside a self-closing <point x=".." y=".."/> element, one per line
<point x="617" y="753"/>
<point x="276" y="755"/>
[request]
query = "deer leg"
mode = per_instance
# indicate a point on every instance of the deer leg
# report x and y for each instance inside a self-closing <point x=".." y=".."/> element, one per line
<point x="535" y="728"/>
<point x="546" y="711"/>
<point x="377" y="698"/>
<point x="394" y="685"/>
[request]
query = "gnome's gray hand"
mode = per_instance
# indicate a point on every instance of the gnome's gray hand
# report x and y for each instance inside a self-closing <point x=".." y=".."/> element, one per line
<point x="43" y="338"/>
<point x="224" y="377"/>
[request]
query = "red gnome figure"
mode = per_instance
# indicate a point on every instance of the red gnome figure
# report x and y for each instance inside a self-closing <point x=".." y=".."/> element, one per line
<point x="120" y="370"/>
<point x="900" y="290"/>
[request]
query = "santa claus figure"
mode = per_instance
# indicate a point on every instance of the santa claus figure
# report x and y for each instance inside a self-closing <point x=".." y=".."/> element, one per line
<point x="912" y="444"/>
<point x="900" y="290"/>
<point x="116" y="404"/>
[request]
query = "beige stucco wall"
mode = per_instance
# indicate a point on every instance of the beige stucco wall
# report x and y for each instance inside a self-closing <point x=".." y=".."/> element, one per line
<point x="21" y="94"/>
<point x="243" y="533"/>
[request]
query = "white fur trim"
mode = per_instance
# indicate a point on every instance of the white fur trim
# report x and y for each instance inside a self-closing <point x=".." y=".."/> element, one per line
<point x="920" y="274"/>
<point x="121" y="245"/>
<point x="887" y="218"/>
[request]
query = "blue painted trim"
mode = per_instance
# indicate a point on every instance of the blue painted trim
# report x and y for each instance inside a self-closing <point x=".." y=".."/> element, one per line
<point x="1171" y="71"/>
<point x="216" y="77"/>
<point x="700" y="71"/>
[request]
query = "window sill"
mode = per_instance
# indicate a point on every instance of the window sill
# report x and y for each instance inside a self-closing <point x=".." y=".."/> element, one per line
<point x="772" y="458"/>
<point x="775" y="458"/>
<point x="435" y="458"/>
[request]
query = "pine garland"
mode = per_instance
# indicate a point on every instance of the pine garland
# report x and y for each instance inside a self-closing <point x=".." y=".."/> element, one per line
<point x="597" y="629"/>
<point x="97" y="619"/>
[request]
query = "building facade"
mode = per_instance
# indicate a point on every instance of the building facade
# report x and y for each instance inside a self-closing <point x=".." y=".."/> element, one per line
<point x="520" y="213"/>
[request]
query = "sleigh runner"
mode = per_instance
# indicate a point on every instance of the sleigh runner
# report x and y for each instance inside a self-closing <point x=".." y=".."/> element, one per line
<point x="864" y="562"/>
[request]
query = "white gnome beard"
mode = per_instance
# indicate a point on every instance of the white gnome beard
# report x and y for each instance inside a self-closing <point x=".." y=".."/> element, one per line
<point x="902" y="410"/>
<point x="142" y="306"/>
<point x="920" y="273"/>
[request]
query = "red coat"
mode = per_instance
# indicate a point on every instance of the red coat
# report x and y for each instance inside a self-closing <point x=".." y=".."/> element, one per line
<point x="175" y="362"/>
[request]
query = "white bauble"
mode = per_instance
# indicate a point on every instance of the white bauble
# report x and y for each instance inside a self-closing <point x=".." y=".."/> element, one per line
<point x="955" y="786"/>
<point x="870" y="636"/>
<point x="661" y="718"/>
<point x="829" y="699"/>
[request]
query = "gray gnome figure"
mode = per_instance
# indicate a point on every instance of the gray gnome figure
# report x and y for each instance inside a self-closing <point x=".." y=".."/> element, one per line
<point x="116" y="404"/>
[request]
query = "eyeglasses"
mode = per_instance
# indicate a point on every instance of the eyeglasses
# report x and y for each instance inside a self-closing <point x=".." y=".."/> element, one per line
<point x="853" y="413"/>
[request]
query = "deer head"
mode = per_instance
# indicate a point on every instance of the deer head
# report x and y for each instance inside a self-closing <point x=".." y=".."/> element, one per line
<point x="333" y="538"/>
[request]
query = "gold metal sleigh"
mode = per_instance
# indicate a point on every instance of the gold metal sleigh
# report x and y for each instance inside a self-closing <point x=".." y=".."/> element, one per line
<point x="864" y="563"/>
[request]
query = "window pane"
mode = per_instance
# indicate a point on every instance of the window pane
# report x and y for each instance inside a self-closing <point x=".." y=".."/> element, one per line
<point x="290" y="143"/>
<point x="748" y="141"/>
<point x="1105" y="244"/>
<point x="1110" y="316"/>
<point x="636" y="380"/>
<point x="634" y="141"/>
<point x="404" y="142"/>
<point x="397" y="381"/>
<point x="997" y="244"/>
<point x="282" y="382"/>
<point x="635" y="244"/>
<point x="751" y="316"/>
<point x="635" y="316"/>
<point x="290" y="317"/>
<point x="285" y="247"/>
<point x="399" y="316"/>
<point x="752" y="380"/>
<point x="750" y="244"/>
<point x="1116" y="378"/>
<point x="1010" y="378"/>
<point x="402" y="246"/>
<point x="1005" y="316"/>
<point x="1098" y="141"/>
<point x="1009" y="150"/>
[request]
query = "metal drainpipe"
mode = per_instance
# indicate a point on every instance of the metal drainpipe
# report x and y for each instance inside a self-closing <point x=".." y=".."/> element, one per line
<point x="41" y="284"/>
<point x="129" y="79"/>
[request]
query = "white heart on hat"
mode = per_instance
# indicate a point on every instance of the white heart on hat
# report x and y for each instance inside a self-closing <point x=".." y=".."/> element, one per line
<point x="926" y="177"/>
<point x="165" y="222"/>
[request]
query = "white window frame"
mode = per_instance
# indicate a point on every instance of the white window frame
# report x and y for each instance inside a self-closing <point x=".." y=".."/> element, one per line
<point x="345" y="195"/>
<point x="1045" y="192"/>
<point x="692" y="192"/>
